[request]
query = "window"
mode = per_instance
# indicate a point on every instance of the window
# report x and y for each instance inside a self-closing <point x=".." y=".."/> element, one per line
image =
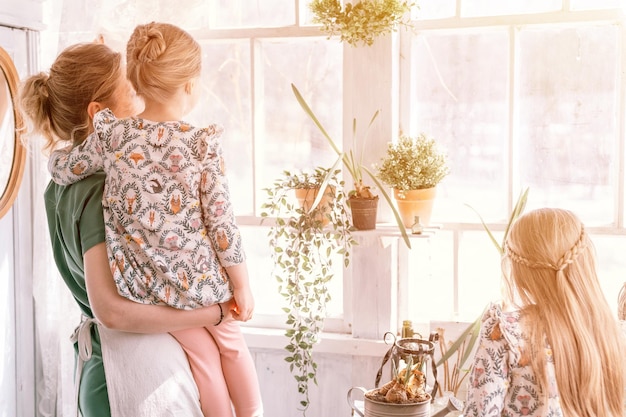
<point x="247" y="74"/>
<point x="520" y="93"/>
<point x="529" y="97"/>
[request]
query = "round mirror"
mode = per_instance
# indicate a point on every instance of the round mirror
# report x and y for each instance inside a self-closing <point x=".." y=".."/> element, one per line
<point x="13" y="153"/>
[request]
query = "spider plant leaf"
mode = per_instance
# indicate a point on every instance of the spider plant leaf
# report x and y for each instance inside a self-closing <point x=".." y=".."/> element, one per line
<point x="324" y="183"/>
<point x="356" y="168"/>
<point x="520" y="205"/>
<point x="473" y="329"/>
<point x="399" y="222"/>
<point x="319" y="125"/>
<point x="365" y="136"/>
<point x="491" y="236"/>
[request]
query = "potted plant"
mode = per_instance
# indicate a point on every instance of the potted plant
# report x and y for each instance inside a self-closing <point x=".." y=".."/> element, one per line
<point x="354" y="166"/>
<point x="360" y="22"/>
<point x="305" y="240"/>
<point x="404" y="395"/>
<point x="313" y="192"/>
<point x="413" y="167"/>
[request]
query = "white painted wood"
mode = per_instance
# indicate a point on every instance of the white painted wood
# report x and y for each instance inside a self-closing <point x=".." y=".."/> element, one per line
<point x="370" y="83"/>
<point x="22" y="13"/>
<point x="374" y="292"/>
<point x="17" y="373"/>
<point x="25" y="320"/>
<point x="336" y="375"/>
<point x="8" y="355"/>
<point x="330" y="343"/>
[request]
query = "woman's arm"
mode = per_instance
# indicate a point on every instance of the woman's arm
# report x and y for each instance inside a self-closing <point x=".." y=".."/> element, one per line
<point x="119" y="313"/>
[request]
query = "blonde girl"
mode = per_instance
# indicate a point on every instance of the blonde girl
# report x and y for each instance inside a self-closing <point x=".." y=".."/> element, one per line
<point x="557" y="350"/>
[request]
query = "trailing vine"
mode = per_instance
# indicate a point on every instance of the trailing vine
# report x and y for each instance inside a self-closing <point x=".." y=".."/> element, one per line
<point x="303" y="252"/>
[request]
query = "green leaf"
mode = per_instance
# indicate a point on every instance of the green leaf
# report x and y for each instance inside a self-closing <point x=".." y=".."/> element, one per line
<point x="473" y="329"/>
<point x="399" y="222"/>
<point x="495" y="242"/>
<point x="518" y="209"/>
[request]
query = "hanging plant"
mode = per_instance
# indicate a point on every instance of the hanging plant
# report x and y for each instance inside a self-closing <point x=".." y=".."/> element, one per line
<point x="305" y="241"/>
<point x="360" y="22"/>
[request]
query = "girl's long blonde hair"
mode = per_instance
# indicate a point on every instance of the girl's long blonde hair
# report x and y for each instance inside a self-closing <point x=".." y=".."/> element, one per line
<point x="553" y="275"/>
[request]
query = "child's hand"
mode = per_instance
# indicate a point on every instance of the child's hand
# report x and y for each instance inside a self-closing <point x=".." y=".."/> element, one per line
<point x="228" y="308"/>
<point x="244" y="304"/>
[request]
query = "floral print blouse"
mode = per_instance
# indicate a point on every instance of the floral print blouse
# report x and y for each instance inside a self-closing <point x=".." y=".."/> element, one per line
<point x="502" y="382"/>
<point x="169" y="224"/>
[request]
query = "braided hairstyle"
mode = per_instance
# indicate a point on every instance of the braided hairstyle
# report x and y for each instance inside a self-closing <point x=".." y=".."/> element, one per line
<point x="552" y="273"/>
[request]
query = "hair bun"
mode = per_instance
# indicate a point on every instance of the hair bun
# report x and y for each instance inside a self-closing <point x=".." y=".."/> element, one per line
<point x="153" y="45"/>
<point x="40" y="83"/>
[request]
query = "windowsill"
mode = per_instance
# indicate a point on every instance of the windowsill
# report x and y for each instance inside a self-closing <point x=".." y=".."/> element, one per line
<point x="341" y="344"/>
<point x="391" y="229"/>
<point x="382" y="229"/>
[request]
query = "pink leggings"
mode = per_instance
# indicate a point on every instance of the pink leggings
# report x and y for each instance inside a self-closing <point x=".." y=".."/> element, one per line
<point x="235" y="380"/>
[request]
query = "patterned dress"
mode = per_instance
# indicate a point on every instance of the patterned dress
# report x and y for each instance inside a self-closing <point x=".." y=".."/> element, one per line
<point x="170" y="227"/>
<point x="502" y="382"/>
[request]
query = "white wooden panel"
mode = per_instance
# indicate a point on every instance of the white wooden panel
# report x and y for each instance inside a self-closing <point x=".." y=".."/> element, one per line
<point x="336" y="374"/>
<point x="7" y="319"/>
<point x="374" y="292"/>
<point x="370" y="83"/>
<point x="17" y="379"/>
<point x="22" y="13"/>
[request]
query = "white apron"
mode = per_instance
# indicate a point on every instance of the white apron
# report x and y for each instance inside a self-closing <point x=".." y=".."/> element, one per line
<point x="147" y="375"/>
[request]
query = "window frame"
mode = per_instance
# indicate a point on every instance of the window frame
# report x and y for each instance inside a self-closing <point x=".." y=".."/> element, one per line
<point x="391" y="56"/>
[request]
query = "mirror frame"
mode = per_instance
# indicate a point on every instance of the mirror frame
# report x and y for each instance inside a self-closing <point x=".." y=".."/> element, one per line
<point x="19" y="152"/>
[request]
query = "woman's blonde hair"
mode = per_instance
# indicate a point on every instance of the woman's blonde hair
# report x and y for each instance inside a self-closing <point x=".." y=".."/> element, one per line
<point x="553" y="274"/>
<point x="54" y="104"/>
<point x="160" y="59"/>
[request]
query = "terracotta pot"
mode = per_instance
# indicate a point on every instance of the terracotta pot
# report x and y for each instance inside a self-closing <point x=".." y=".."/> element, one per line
<point x="306" y="197"/>
<point x="364" y="212"/>
<point x="373" y="408"/>
<point x="415" y="203"/>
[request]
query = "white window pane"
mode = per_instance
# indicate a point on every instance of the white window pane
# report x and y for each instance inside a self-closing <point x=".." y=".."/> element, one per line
<point x="264" y="285"/>
<point x="430" y="278"/>
<point x="479" y="273"/>
<point x="596" y="4"/>
<point x="567" y="97"/>
<point x="435" y="9"/>
<point x="507" y="7"/>
<point x="286" y="138"/>
<point x="225" y="99"/>
<point x="246" y="13"/>
<point x="610" y="258"/>
<point x="118" y="18"/>
<point x="460" y="97"/>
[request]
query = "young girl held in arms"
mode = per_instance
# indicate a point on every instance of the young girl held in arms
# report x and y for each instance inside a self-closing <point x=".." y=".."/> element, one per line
<point x="170" y="226"/>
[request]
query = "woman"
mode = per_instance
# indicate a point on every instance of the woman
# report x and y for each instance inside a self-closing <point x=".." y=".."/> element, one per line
<point x="558" y="350"/>
<point x="59" y="106"/>
<point x="170" y="226"/>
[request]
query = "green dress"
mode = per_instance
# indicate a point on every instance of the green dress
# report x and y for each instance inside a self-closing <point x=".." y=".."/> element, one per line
<point x="76" y="224"/>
